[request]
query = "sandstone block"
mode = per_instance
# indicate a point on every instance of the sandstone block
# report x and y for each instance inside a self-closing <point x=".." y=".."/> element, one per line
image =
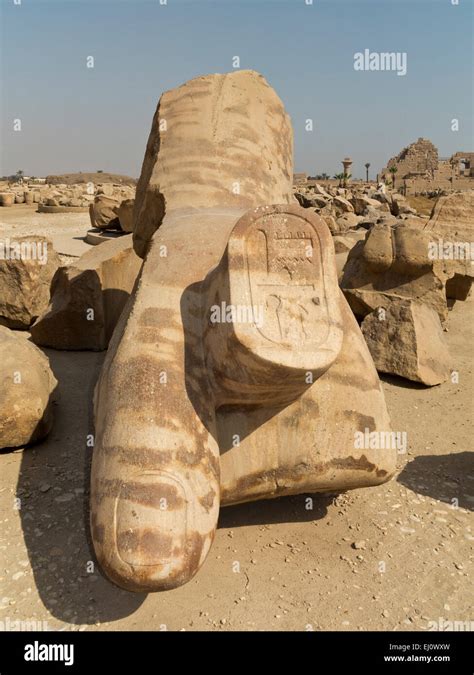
<point x="27" y="267"/>
<point x="7" y="199"/>
<point x="452" y="217"/>
<point x="103" y="212"/>
<point x="342" y="205"/>
<point x="406" y="339"/>
<point x="347" y="221"/>
<point x="125" y="215"/>
<point x="361" y="203"/>
<point x="88" y="297"/>
<point x="27" y="386"/>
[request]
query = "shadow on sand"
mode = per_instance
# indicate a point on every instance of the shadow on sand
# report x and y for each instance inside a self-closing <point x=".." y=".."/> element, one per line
<point x="53" y="486"/>
<point x="443" y="477"/>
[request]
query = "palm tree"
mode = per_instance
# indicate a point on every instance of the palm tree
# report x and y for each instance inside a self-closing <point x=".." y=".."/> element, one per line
<point x="367" y="166"/>
<point x="393" y="170"/>
<point x="339" y="177"/>
<point x="19" y="175"/>
<point x="345" y="178"/>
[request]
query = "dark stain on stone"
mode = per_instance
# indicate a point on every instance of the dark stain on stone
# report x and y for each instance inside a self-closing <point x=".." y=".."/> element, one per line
<point x="142" y="457"/>
<point x="363" y="422"/>
<point x="208" y="500"/>
<point x="268" y="482"/>
<point x="140" y="379"/>
<point x="357" y="464"/>
<point x="357" y="382"/>
<point x="194" y="546"/>
<point x="151" y="495"/>
<point x="147" y="543"/>
<point x="190" y="458"/>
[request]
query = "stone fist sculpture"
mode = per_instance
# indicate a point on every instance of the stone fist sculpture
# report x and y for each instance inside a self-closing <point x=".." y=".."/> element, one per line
<point x="237" y="371"/>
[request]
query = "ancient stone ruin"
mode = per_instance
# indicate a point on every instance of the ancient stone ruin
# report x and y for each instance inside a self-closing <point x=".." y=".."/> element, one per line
<point x="237" y="370"/>
<point x="419" y="169"/>
<point x="417" y="159"/>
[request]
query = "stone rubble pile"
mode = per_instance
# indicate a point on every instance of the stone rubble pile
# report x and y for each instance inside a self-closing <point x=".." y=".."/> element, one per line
<point x="353" y="207"/>
<point x="102" y="199"/>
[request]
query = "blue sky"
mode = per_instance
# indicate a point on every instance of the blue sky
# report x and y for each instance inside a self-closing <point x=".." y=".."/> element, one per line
<point x="79" y="119"/>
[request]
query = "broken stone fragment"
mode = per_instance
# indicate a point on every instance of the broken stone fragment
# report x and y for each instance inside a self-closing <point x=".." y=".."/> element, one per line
<point x="402" y="262"/>
<point x="399" y="205"/>
<point x="88" y="297"/>
<point x="27" y="266"/>
<point x="103" y="212"/>
<point x="125" y="215"/>
<point x="342" y="205"/>
<point x="362" y="203"/>
<point x="7" y="199"/>
<point x="348" y="221"/>
<point x="406" y="339"/>
<point x="26" y="387"/>
<point x="452" y="217"/>
<point x="344" y="243"/>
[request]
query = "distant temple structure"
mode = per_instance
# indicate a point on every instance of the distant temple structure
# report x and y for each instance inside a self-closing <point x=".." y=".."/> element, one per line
<point x="420" y="169"/>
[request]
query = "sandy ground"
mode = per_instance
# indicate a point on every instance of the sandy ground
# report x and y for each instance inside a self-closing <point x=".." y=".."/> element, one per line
<point x="395" y="557"/>
<point x="66" y="230"/>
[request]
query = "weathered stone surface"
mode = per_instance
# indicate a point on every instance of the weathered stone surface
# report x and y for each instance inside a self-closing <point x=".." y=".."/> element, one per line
<point x="406" y="339"/>
<point x="27" y="385"/>
<point x="247" y="369"/>
<point x="125" y="215"/>
<point x="321" y="191"/>
<point x="25" y="280"/>
<point x="453" y="217"/>
<point x="394" y="263"/>
<point x="361" y="203"/>
<point x="310" y="199"/>
<point x="236" y="118"/>
<point x="348" y="221"/>
<point x="344" y="243"/>
<point x="88" y="297"/>
<point x="287" y="371"/>
<point x="417" y="159"/>
<point x="7" y="198"/>
<point x="342" y="205"/>
<point x="103" y="212"/>
<point x="399" y="206"/>
<point x="331" y="223"/>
